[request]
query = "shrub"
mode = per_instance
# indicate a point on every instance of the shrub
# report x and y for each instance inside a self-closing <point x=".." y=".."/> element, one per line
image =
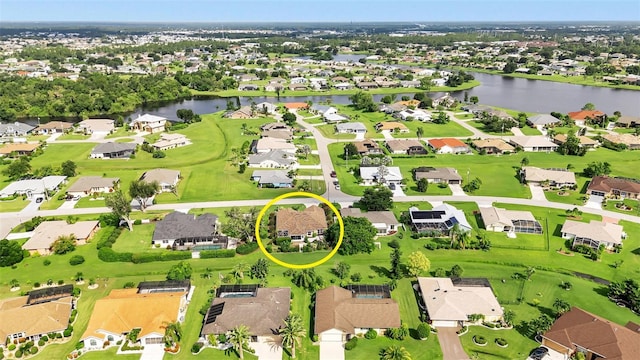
<point x="18" y="354"/>
<point x="371" y="334"/>
<point x="501" y="342"/>
<point x="196" y="347"/>
<point x="247" y="248"/>
<point x="140" y="258"/>
<point x="423" y="330"/>
<point x="74" y="313"/>
<point x="44" y="338"/>
<point x="314" y="338"/>
<point x="68" y="331"/>
<point x="33" y="350"/>
<point x="129" y="285"/>
<point x="356" y="277"/>
<point x="12" y="347"/>
<point x="351" y="344"/>
<point x="46" y="262"/>
<point x="76" y="260"/>
<point x="36" y="284"/>
<point x="394" y="244"/>
<point x="222" y="338"/>
<point x="212" y="254"/>
<point x="137" y="222"/>
<point x="107" y="254"/>
<point x="479" y="339"/>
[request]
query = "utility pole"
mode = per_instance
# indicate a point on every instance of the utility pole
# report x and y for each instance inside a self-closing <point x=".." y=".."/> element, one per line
<point x="468" y="174"/>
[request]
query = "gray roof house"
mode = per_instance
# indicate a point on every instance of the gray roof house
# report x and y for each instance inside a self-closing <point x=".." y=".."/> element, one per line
<point x="33" y="187"/>
<point x="88" y="185"/>
<point x="385" y="222"/>
<point x="272" y="179"/>
<point x="351" y="128"/>
<point x="113" y="150"/>
<point x="439" y="220"/>
<point x="542" y="119"/>
<point x="15" y="129"/>
<point x="438" y="175"/>
<point x="273" y="159"/>
<point x="181" y="231"/>
<point x="166" y="178"/>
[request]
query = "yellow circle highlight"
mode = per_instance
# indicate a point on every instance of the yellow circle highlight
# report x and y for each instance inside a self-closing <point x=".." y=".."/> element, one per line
<point x="298" y="266"/>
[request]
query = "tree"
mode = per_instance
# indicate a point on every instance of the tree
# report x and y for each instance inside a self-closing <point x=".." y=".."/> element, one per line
<point x="396" y="272"/>
<point x="64" y="244"/>
<point x="289" y="118"/>
<point x="342" y="270"/>
<point x="561" y="306"/>
<point x="239" y="339"/>
<point x="395" y="352"/>
<point x="10" y="253"/>
<point x="307" y="279"/>
<point x="509" y="316"/>
<point x="419" y="132"/>
<point x="474" y="99"/>
<point x="241" y="225"/>
<point x="304" y="186"/>
<point x="510" y="67"/>
<point x="350" y="150"/>
<point x="597" y="168"/>
<point x="358" y="236"/>
<point x="377" y="198"/>
<point x="180" y="271"/>
<point x="456" y="271"/>
<point x="260" y="270"/>
<point x="442" y="118"/>
<point x="292" y="332"/>
<point x="589" y="106"/>
<point x="423" y="185"/>
<point x="382" y="171"/>
<point x="305" y="150"/>
<point x="418" y="263"/>
<point x="18" y="169"/>
<point x="571" y="146"/>
<point x="120" y="206"/>
<point x="458" y="236"/>
<point x="363" y="101"/>
<point x="524" y="162"/>
<point x="68" y="168"/>
<point x="172" y="333"/>
<point x="530" y="271"/>
<point x="142" y="191"/>
<point x="473" y="185"/>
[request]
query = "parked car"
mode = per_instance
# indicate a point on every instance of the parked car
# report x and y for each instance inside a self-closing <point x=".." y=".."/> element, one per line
<point x="333" y="174"/>
<point x="539" y="353"/>
<point x="337" y="186"/>
<point x="38" y="200"/>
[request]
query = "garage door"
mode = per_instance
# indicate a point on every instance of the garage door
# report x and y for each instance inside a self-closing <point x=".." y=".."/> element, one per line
<point x="153" y="340"/>
<point x="332" y="337"/>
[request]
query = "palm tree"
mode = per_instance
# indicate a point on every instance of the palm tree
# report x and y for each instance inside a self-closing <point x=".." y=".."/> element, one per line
<point x="420" y="132"/>
<point x="292" y="332"/>
<point x="458" y="236"/>
<point x="395" y="352"/>
<point x="382" y="173"/>
<point x="561" y="306"/>
<point x="238" y="271"/>
<point x="239" y="338"/>
<point x="172" y="333"/>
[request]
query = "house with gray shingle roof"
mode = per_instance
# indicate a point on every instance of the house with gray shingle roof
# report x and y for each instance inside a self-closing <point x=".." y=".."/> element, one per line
<point x="272" y="179"/>
<point x="113" y="150"/>
<point x="185" y="231"/>
<point x="351" y="128"/>
<point x="542" y="119"/>
<point x="15" y="129"/>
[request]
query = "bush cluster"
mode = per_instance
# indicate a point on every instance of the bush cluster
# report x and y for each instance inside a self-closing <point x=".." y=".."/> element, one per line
<point x="247" y="248"/>
<point x="351" y="344"/>
<point x="423" y="330"/>
<point x="371" y="334"/>
<point x="76" y="260"/>
<point x="140" y="258"/>
<point x="212" y="254"/>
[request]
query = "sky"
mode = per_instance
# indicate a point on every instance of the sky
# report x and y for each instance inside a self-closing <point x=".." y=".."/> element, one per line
<point x="318" y="10"/>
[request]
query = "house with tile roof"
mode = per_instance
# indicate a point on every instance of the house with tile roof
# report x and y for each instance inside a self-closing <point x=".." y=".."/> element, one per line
<point x="53" y="127"/>
<point x="595" y="337"/>
<point x="580" y="117"/>
<point x="88" y="185"/>
<point x="149" y="123"/>
<point x="45" y="234"/>
<point x="368" y="147"/>
<point x="298" y="225"/>
<point x="585" y="142"/>
<point x="451" y="302"/>
<point x="493" y="146"/>
<point x="593" y="234"/>
<point x="614" y="187"/>
<point x="448" y="146"/>
<point x="385" y="222"/>
<point x="19" y="149"/>
<point x="341" y="314"/>
<point x="406" y="147"/>
<point x="631" y="141"/>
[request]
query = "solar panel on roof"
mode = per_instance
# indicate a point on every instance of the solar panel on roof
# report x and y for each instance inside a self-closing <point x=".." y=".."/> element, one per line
<point x="427" y="215"/>
<point x="213" y="313"/>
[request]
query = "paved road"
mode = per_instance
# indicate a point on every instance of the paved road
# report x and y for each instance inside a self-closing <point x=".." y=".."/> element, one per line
<point x="450" y="344"/>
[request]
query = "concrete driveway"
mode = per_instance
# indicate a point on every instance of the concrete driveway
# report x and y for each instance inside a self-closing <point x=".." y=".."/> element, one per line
<point x="537" y="193"/>
<point x="594" y="202"/>
<point x="456" y="189"/>
<point x="450" y="344"/>
<point x="331" y="350"/>
<point x="152" y="352"/>
<point x="33" y="205"/>
<point x="267" y="351"/>
<point x="68" y="204"/>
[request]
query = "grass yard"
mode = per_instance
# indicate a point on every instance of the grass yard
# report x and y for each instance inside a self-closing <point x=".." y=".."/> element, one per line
<point x="309" y="172"/>
<point x="89" y="202"/>
<point x="73" y="136"/>
<point x="120" y="132"/>
<point x="14" y="205"/>
<point x="574" y="197"/>
<point x="136" y="241"/>
<point x="450" y="129"/>
<point x="530" y="131"/>
<point x="308" y="141"/>
<point x="464" y="116"/>
<point x="519" y="346"/>
<point x="329" y="131"/>
<point x="633" y="204"/>
<point x="419" y="350"/>
<point x="480" y="126"/>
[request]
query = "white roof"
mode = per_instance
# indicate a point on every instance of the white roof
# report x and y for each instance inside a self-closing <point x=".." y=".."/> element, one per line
<point x="148" y="118"/>
<point x="34" y="185"/>
<point x="334" y="117"/>
<point x="371" y="173"/>
<point x="448" y="302"/>
<point x="532" y="141"/>
<point x="269" y="143"/>
<point x="49" y="231"/>
<point x="533" y="173"/>
<point x="595" y="230"/>
<point x="493" y="215"/>
<point x="351" y="126"/>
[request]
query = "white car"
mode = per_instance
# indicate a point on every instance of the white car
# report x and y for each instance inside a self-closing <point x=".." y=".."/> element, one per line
<point x="337" y="186"/>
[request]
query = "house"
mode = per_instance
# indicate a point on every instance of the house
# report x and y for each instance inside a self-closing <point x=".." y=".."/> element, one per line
<point x="273" y="159"/>
<point x="171" y="141"/>
<point x="342" y="86"/>
<point x="266" y="108"/>
<point x="147" y="308"/>
<point x="438" y="175"/>
<point x="166" y="178"/>
<point x="366" y="85"/>
<point x="555" y="177"/>
<point x="53" y="127"/>
<point x="445" y="100"/>
<point x="351" y="128"/>
<point x="33" y="188"/>
<point x="614" y="187"/>
<point x="272" y="179"/>
<point x="244" y="112"/>
<point x="451" y="302"/>
<point x="335" y="118"/>
<point x="19" y="149"/>
<point x="416" y="114"/>
<point x="274" y="87"/>
<point x="149" y="123"/>
<point x="100" y="126"/>
<point x="179" y="231"/>
<point x="298" y="80"/>
<point x="368" y="147"/>
<point x="385" y="222"/>
<point x="248" y="77"/>
<point x="15" y="129"/>
<point x="440" y="220"/>
<point x="262" y="310"/>
<point x="268" y="144"/>
<point x="533" y="143"/>
<point x="276" y="134"/>
<point x="597" y="338"/>
<point x="323" y="110"/>
<point x="593" y="234"/>
<point x="585" y="142"/>
<point x="45" y="234"/>
<point x="542" y="120"/>
<point x="298" y="225"/>
<point x="276" y="126"/>
<point x="509" y="221"/>
<point x="113" y="150"/>
<point x="391" y="126"/>
<point x="370" y="176"/>
<point x="341" y="314"/>
<point x="406" y="146"/>
<point x="631" y="141"/>
<point x="581" y="117"/>
<point x="297" y="87"/>
<point x="628" y="121"/>
<point x="89" y="185"/>
<point x="448" y="146"/>
<point x="493" y="146"/>
<point x="23" y="319"/>
<point x="248" y="87"/>
<point x="393" y="108"/>
<point x="296" y="105"/>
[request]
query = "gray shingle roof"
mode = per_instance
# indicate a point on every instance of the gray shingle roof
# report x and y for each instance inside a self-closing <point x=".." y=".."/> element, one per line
<point x="278" y="156"/>
<point x="178" y="225"/>
<point x="112" y="147"/>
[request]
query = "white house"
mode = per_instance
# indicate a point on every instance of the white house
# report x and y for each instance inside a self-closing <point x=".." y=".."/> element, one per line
<point x="533" y="143"/>
<point x="267" y="144"/>
<point x="370" y="175"/>
<point x="416" y="114"/>
<point x="171" y="141"/>
<point x="273" y="159"/>
<point x="593" y="234"/>
<point x="385" y="222"/>
<point x="149" y="123"/>
<point x="351" y="128"/>
<point x="88" y="185"/>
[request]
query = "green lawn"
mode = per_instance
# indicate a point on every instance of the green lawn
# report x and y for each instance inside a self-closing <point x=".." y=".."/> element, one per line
<point x="309" y="172"/>
<point x="519" y="346"/>
<point x="308" y="141"/>
<point x="89" y="202"/>
<point x="16" y="204"/>
<point x="574" y="197"/>
<point x="120" y="132"/>
<point x="136" y="241"/>
<point x="480" y="126"/>
<point x="329" y="131"/>
<point x="625" y="130"/>
<point x="450" y="129"/>
<point x="634" y="204"/>
<point x="73" y="136"/>
<point x="530" y="131"/>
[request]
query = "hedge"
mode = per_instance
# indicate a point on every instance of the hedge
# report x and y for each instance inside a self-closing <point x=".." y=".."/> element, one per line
<point x="140" y="258"/>
<point x="76" y="260"/>
<point x="351" y="344"/>
<point x="211" y="254"/>
<point x="110" y="239"/>
<point x="108" y="255"/>
<point x="247" y="248"/>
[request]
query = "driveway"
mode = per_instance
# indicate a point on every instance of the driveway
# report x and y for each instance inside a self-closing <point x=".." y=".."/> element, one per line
<point x="537" y="193"/>
<point x="152" y="352"/>
<point x="517" y="132"/>
<point x="266" y="351"/>
<point x="33" y="205"/>
<point x="68" y="204"/>
<point x="398" y="191"/>
<point x="594" y="202"/>
<point x="360" y="136"/>
<point x="456" y="189"/>
<point x="331" y="350"/>
<point x="450" y="344"/>
<point x="386" y="134"/>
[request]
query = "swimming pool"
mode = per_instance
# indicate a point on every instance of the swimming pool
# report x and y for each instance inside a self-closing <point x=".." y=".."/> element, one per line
<point x="236" y="295"/>
<point x="207" y="247"/>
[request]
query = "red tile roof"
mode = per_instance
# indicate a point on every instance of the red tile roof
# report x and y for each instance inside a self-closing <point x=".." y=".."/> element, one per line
<point x="296" y="105"/>
<point x="440" y="143"/>
<point x="583" y="114"/>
